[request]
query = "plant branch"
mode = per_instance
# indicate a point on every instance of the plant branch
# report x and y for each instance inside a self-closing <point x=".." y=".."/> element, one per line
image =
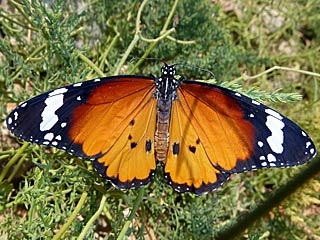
<point x="134" y="40"/>
<point x="246" y="77"/>
<point x="93" y="218"/>
<point x="12" y="161"/>
<point x="72" y="216"/>
<point x="245" y="221"/>
<point x="132" y="214"/>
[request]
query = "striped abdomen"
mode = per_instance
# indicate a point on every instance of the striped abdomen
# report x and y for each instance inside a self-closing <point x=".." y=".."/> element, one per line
<point x="161" y="138"/>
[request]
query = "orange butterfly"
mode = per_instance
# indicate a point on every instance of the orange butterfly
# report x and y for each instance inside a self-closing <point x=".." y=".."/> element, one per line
<point x="201" y="133"/>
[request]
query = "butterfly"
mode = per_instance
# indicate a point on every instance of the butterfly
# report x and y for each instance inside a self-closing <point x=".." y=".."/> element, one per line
<point x="199" y="132"/>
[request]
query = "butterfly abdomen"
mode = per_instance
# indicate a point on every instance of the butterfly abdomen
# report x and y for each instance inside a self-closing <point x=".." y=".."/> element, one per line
<point x="165" y="93"/>
<point x="161" y="136"/>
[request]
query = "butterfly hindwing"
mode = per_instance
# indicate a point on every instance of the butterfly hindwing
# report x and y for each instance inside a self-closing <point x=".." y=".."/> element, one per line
<point x="130" y="161"/>
<point x="188" y="167"/>
<point x="96" y="119"/>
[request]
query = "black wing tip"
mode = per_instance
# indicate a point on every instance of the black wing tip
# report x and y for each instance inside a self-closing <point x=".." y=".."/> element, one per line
<point x="117" y="183"/>
<point x="205" y="188"/>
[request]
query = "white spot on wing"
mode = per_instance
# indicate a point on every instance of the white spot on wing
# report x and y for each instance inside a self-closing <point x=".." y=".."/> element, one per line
<point x="23" y="104"/>
<point x="275" y="141"/>
<point x="260" y="144"/>
<point x="312" y="151"/>
<point x="271" y="158"/>
<point x="15" y="115"/>
<point x="58" y="91"/>
<point x="53" y="103"/>
<point x="308" y="144"/>
<point x="49" y="136"/>
<point x="97" y="80"/>
<point x="79" y="98"/>
<point x="304" y="134"/>
<point x="238" y="94"/>
<point x="255" y="102"/>
<point x="77" y="84"/>
<point x="273" y="113"/>
<point x="9" y="120"/>
<point x="64" y="124"/>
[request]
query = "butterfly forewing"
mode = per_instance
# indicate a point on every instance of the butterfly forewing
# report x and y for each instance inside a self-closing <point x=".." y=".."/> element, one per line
<point x="241" y="134"/>
<point x="96" y="119"/>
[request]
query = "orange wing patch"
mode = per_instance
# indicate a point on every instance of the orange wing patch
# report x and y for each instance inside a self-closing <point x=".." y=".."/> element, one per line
<point x="119" y="134"/>
<point x="219" y="122"/>
<point x="188" y="168"/>
<point x="205" y="139"/>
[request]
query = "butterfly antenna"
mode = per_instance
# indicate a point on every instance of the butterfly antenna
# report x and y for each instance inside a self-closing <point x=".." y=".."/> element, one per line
<point x="153" y="59"/>
<point x="195" y="67"/>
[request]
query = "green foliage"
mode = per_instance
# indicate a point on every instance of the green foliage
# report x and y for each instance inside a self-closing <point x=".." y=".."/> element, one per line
<point x="46" y="44"/>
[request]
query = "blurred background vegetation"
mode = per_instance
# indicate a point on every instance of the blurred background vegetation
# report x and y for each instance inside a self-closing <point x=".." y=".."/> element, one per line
<point x="46" y="44"/>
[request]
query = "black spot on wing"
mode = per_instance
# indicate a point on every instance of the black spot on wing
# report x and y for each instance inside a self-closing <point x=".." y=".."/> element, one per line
<point x="132" y="122"/>
<point x="175" y="148"/>
<point x="192" y="149"/>
<point x="133" y="144"/>
<point x="130" y="137"/>
<point x="148" y="145"/>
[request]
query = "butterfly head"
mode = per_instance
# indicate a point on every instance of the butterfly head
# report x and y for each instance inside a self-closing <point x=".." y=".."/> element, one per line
<point x="167" y="84"/>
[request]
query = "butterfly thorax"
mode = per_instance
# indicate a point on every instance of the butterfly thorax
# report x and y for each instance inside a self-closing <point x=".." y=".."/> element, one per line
<point x="165" y="93"/>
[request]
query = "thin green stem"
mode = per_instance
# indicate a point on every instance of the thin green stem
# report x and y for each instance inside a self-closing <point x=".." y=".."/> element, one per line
<point x="72" y="217"/>
<point x="170" y="16"/>
<point x="106" y="53"/>
<point x="315" y="82"/>
<point x="35" y="52"/>
<point x="132" y="214"/>
<point x="17" y="23"/>
<point x="19" y="7"/>
<point x="4" y="25"/>
<point x="246" y="77"/>
<point x="144" y="56"/>
<point x="93" y="218"/>
<point x="134" y="40"/>
<point x="17" y="168"/>
<point x="90" y="63"/>
<point x="152" y="45"/>
<point x="164" y="35"/>
<point x="181" y="41"/>
<point x="245" y="221"/>
<point x="4" y="156"/>
<point x="13" y="160"/>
